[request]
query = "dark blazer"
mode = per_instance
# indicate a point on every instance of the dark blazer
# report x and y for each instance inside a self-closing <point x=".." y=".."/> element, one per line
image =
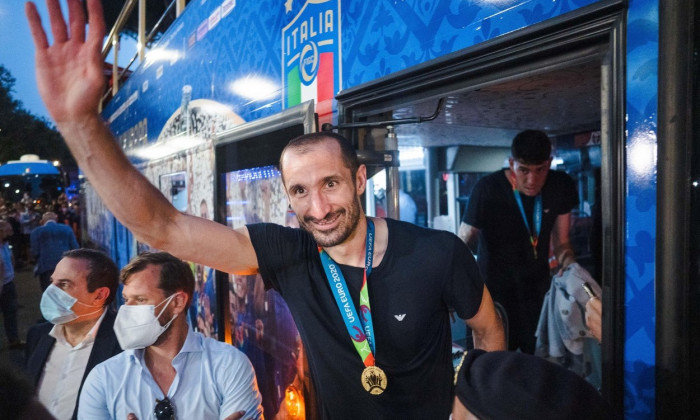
<point x="40" y="344"/>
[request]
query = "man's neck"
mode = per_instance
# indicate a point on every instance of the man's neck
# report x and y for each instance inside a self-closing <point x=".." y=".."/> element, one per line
<point x="76" y="332"/>
<point x="159" y="356"/>
<point x="352" y="251"/>
<point x="170" y="343"/>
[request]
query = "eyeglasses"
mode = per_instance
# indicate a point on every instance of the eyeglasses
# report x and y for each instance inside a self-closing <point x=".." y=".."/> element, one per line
<point x="164" y="410"/>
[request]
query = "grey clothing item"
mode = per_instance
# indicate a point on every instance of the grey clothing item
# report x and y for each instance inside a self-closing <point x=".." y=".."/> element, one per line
<point x="562" y="334"/>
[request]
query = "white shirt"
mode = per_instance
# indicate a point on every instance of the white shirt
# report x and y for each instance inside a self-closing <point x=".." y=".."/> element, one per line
<point x="64" y="370"/>
<point x="212" y="381"/>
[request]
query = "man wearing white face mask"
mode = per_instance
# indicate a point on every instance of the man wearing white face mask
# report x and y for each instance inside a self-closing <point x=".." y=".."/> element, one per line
<point x="167" y="371"/>
<point x="79" y="334"/>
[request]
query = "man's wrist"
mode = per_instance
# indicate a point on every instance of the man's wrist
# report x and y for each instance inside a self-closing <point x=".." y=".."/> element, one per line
<point x="566" y="257"/>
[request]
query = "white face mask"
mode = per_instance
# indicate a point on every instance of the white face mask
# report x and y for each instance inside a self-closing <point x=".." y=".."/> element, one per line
<point x="56" y="306"/>
<point x="137" y="326"/>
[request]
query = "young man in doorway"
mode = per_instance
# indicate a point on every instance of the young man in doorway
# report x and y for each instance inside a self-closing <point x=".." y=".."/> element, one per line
<point x="512" y="214"/>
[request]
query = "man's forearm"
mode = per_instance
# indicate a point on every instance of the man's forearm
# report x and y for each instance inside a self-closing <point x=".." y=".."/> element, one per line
<point x="125" y="191"/>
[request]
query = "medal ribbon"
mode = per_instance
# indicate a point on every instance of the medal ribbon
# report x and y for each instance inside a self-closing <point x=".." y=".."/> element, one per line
<point x="359" y="326"/>
<point x="536" y="215"/>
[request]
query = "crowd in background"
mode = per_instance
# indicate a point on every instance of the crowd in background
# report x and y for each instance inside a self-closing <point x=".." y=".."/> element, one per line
<point x="26" y="215"/>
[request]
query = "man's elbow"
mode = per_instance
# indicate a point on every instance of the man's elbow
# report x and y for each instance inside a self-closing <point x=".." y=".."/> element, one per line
<point x="491" y="338"/>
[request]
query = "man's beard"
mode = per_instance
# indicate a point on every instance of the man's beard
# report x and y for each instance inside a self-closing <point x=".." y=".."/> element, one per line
<point x="349" y="218"/>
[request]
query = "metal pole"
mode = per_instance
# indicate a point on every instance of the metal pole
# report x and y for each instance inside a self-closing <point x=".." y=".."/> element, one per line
<point x="179" y="7"/>
<point x="142" y="30"/>
<point x="115" y="65"/>
<point x="393" y="182"/>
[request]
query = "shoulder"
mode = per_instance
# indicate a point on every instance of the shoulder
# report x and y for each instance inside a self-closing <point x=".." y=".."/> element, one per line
<point x="559" y="178"/>
<point x="223" y="356"/>
<point x="39" y="329"/>
<point x="399" y="230"/>
<point x="492" y="183"/>
<point x="263" y="229"/>
<point x="275" y="239"/>
<point x="36" y="334"/>
<point x="219" y="348"/>
<point x="114" y="367"/>
<point x="492" y="178"/>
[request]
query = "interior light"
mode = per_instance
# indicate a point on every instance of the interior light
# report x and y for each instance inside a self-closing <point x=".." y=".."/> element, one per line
<point x="294" y="402"/>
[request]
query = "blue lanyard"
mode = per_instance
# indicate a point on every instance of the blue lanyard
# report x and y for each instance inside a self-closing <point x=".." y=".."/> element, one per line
<point x="360" y="328"/>
<point x="536" y="216"/>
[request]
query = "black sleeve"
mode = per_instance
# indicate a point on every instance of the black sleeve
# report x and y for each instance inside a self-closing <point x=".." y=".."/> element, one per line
<point x="278" y="250"/>
<point x="568" y="192"/>
<point x="476" y="207"/>
<point x="464" y="286"/>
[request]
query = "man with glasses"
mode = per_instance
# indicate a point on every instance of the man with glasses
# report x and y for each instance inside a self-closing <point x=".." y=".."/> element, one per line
<point x="78" y="334"/>
<point x="167" y="370"/>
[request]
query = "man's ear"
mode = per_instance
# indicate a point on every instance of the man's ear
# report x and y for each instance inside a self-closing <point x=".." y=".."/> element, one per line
<point x="101" y="295"/>
<point x="361" y="179"/>
<point x="180" y="302"/>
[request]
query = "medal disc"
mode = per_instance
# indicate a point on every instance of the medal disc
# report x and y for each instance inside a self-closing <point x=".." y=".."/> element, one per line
<point x="374" y="380"/>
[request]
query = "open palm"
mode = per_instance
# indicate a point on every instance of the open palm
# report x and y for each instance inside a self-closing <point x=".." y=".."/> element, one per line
<point x="69" y="72"/>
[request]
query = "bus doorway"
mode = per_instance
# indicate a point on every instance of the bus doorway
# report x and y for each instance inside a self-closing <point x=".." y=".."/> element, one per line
<point x="529" y="81"/>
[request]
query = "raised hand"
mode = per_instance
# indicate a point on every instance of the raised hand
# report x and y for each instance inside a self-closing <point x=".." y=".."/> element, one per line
<point x="69" y="73"/>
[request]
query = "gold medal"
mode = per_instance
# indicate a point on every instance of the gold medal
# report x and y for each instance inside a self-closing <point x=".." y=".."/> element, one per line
<point x="374" y="380"/>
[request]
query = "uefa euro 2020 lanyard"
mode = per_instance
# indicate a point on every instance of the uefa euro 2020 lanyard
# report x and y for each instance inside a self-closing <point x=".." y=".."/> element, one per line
<point x="536" y="216"/>
<point x="359" y="327"/>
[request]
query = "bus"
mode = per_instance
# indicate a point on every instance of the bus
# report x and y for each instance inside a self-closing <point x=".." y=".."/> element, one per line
<point x="33" y="178"/>
<point x="431" y="93"/>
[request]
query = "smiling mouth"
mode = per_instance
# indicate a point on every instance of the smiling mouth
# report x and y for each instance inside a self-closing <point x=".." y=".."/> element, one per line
<point x="326" y="222"/>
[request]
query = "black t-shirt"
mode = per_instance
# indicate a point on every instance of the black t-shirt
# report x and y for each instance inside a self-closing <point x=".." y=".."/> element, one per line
<point x="422" y="274"/>
<point x="505" y="241"/>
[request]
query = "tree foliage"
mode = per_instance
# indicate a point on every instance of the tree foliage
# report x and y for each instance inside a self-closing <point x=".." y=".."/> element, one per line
<point x="24" y="133"/>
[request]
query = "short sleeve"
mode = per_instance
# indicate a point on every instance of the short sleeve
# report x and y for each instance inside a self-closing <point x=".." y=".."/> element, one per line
<point x="476" y="206"/>
<point x="567" y="190"/>
<point x="278" y="249"/>
<point x="464" y="286"/>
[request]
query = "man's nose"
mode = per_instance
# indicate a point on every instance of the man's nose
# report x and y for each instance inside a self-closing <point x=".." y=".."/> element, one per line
<point x="320" y="206"/>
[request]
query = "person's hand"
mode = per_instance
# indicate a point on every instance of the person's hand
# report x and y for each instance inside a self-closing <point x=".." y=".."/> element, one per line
<point x="69" y="73"/>
<point x="594" y="310"/>
<point x="236" y="416"/>
<point x="131" y="416"/>
<point x="565" y="260"/>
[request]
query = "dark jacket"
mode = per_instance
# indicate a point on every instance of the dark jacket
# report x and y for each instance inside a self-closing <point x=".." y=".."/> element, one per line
<point x="40" y="344"/>
<point x="49" y="242"/>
